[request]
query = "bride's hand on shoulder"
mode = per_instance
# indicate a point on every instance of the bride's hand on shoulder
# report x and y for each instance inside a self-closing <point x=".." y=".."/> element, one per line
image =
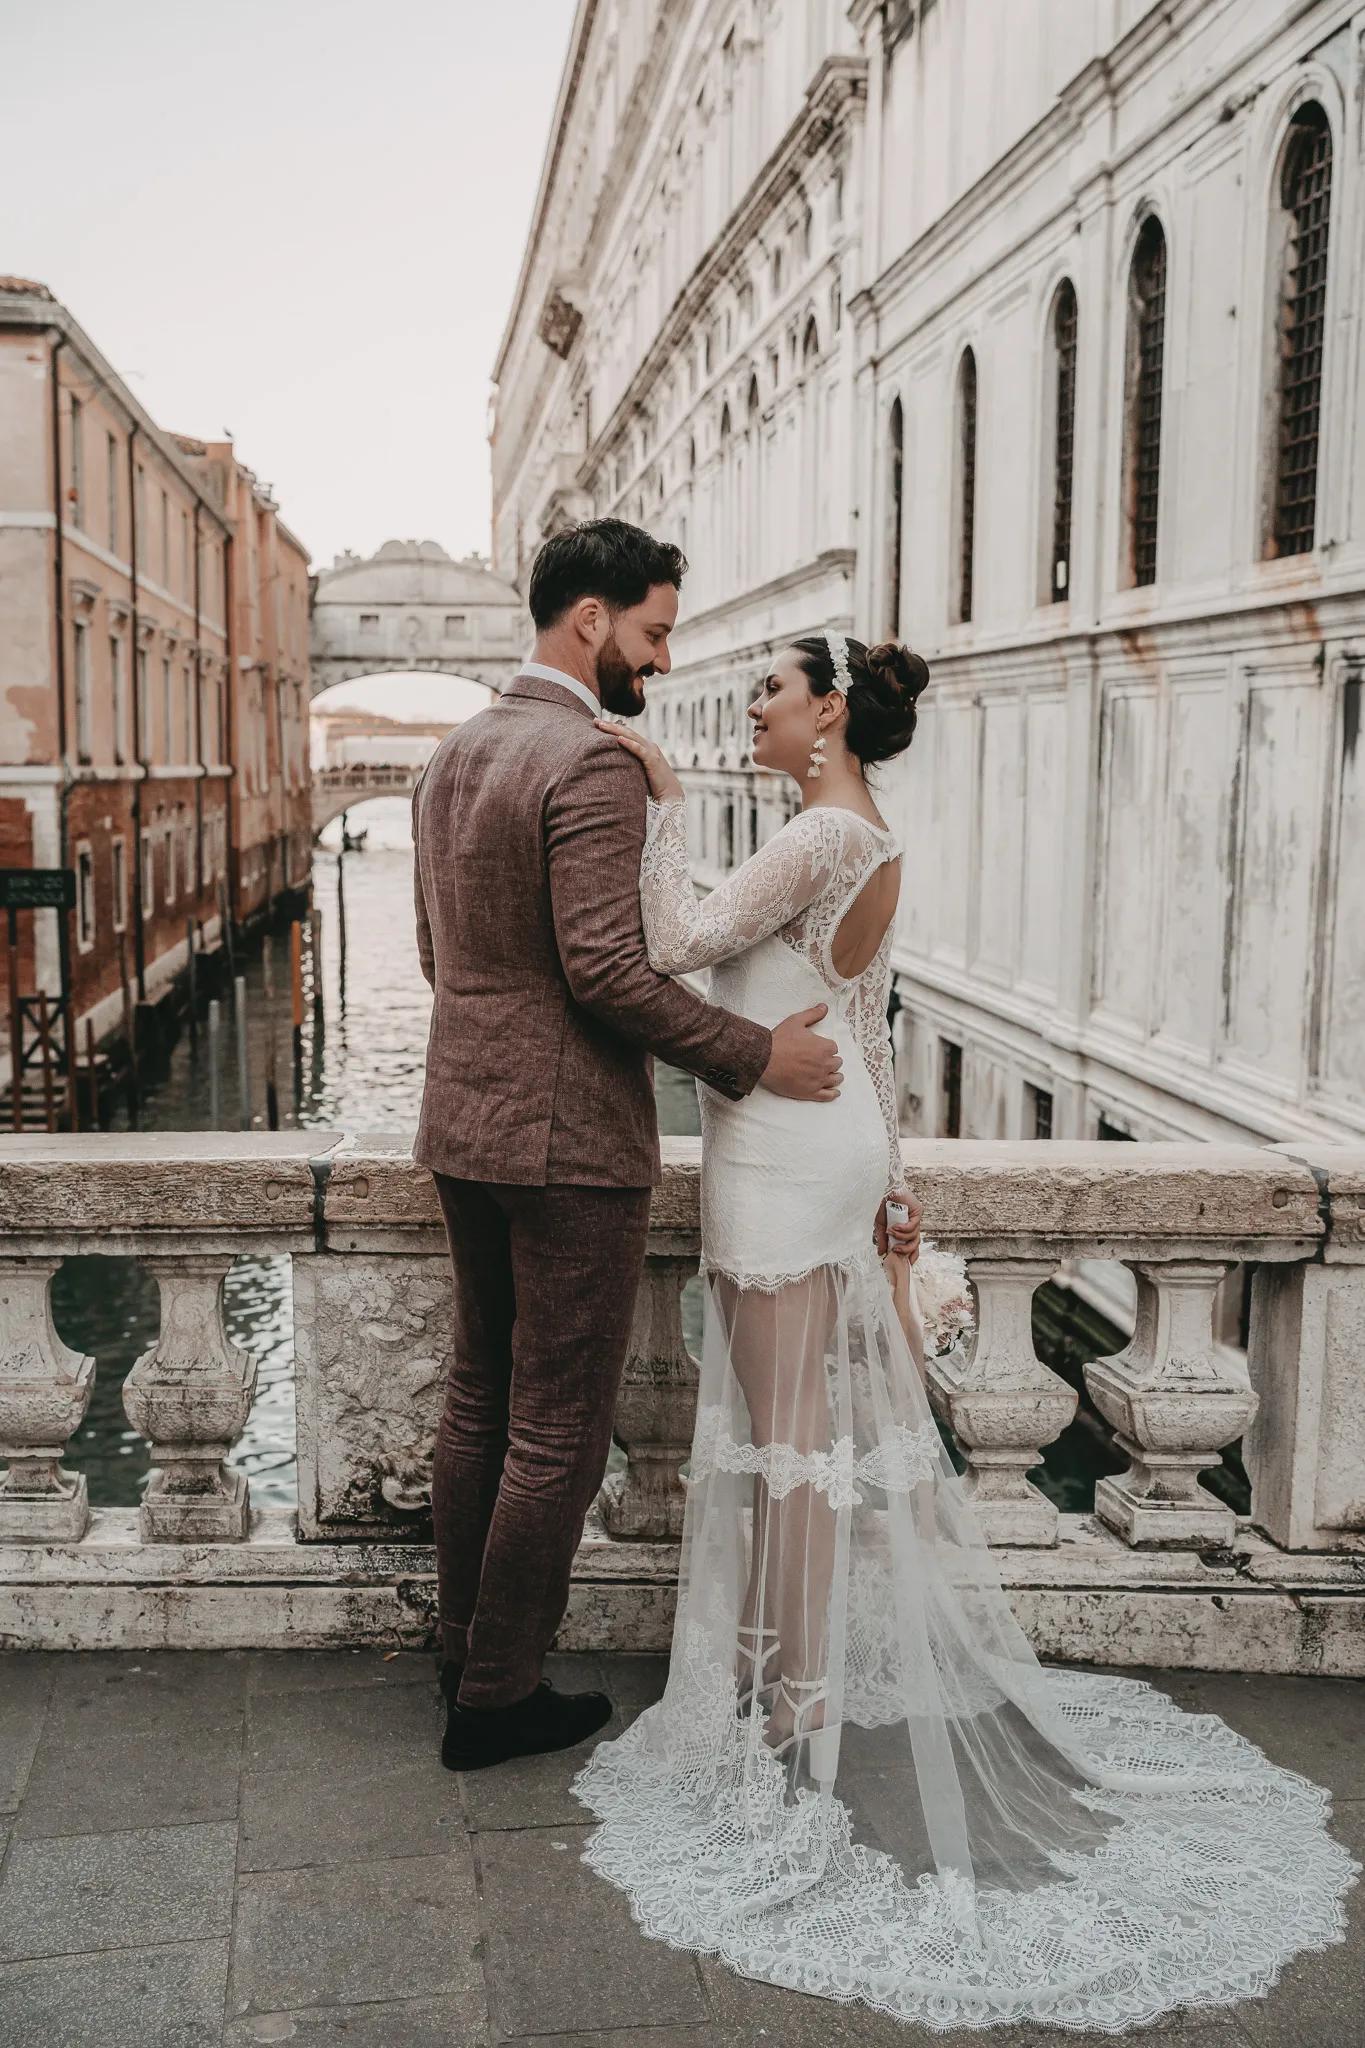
<point x="664" y="785"/>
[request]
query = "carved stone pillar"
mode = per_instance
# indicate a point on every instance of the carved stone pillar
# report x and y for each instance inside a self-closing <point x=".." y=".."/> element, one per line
<point x="1175" y="1398"/>
<point x="1004" y="1404"/>
<point x="656" y="1411"/>
<point x="45" y="1389"/>
<point x="190" y="1396"/>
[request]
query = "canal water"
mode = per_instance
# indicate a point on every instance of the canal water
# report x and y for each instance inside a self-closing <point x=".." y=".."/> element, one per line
<point x="361" y="1068"/>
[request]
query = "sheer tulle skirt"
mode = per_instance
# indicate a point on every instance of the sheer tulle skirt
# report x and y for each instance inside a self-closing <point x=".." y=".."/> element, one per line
<point x="861" y="1783"/>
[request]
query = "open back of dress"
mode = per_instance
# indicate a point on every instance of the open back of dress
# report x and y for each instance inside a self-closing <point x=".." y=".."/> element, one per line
<point x="860" y="1782"/>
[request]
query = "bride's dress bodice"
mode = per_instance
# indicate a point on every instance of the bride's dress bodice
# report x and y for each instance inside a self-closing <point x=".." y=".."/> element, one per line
<point x="786" y="1186"/>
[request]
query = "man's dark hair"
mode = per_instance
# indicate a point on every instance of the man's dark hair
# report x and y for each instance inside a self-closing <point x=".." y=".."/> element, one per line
<point x="603" y="558"/>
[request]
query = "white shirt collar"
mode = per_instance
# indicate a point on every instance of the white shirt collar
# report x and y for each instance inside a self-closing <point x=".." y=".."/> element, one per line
<point x="543" y="674"/>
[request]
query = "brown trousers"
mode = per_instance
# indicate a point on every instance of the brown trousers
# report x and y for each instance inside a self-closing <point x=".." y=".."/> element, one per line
<point x="545" y="1284"/>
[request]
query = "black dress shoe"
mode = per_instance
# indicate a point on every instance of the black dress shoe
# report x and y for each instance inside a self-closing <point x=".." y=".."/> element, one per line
<point x="545" y="1721"/>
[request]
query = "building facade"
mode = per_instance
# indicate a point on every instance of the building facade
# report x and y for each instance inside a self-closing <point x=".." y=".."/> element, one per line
<point x="120" y="712"/>
<point x="410" y="606"/>
<point x="267" y="732"/>
<point x="1027" y="335"/>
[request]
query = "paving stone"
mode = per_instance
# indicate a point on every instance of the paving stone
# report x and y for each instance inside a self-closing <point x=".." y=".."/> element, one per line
<point x="630" y="2037"/>
<point x="532" y="1791"/>
<point x="149" y="1781"/>
<point x="747" y="2013"/>
<point x="26" y="1683"/>
<point x="348" y="1730"/>
<point x="328" y="1670"/>
<point x="294" y="1818"/>
<point x="1313" y="1725"/>
<point x="127" y="1694"/>
<point x="74" y="1892"/>
<point x="411" y="2023"/>
<point x="168" y="1997"/>
<point x="635" y="1681"/>
<point x="403" y="1928"/>
<point x="562" y="1950"/>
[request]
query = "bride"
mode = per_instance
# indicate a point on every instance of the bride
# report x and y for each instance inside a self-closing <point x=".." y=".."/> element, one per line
<point x="859" y="1781"/>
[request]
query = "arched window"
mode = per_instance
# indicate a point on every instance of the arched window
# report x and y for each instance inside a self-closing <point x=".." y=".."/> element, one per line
<point x="724" y="426"/>
<point x="810" y="346"/>
<point x="895" y="516"/>
<point x="691" y="456"/>
<point x="1064" y="434"/>
<point x="752" y="406"/>
<point x="1145" y="365"/>
<point x="965" y="488"/>
<point x="1306" y="197"/>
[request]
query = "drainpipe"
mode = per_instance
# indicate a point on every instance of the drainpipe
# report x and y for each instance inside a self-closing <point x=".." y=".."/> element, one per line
<point x="59" y="562"/>
<point x="139" y="932"/>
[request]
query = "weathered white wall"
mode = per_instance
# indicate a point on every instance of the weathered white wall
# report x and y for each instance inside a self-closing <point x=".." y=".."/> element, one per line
<point x="1134" y="820"/>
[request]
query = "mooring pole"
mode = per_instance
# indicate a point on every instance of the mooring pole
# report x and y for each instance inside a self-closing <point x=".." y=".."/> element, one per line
<point x="91" y="1074"/>
<point x="129" y="1028"/>
<point x="215" y="1059"/>
<point x="272" y="1097"/>
<point x="193" y="986"/>
<point x="16" y="1027"/>
<point x="243" y="1073"/>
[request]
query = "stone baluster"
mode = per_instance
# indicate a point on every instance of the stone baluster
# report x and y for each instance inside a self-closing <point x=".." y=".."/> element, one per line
<point x="655" y="1411"/>
<point x="190" y="1396"/>
<point x="45" y="1389"/>
<point x="1003" y="1404"/>
<point x="1175" y="1398"/>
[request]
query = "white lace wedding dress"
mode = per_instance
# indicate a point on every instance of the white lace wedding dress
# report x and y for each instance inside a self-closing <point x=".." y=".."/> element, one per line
<point x="860" y="1782"/>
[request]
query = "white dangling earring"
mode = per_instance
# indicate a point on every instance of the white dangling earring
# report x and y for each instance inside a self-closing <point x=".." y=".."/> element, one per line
<point x="817" y="759"/>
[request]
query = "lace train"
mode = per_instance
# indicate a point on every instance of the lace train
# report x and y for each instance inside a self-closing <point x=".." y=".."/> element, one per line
<point x="906" y="1809"/>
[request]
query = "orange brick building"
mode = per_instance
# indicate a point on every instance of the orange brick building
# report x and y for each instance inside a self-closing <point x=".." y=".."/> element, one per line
<point x="153" y="664"/>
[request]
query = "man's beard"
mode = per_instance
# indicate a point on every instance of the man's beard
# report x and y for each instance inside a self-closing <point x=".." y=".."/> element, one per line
<point x="620" y="686"/>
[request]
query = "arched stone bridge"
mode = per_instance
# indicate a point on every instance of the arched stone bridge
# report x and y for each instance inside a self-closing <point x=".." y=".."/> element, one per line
<point x="340" y="789"/>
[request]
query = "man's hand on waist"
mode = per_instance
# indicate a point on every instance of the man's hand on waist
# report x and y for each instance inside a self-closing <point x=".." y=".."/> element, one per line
<point x="802" y="1064"/>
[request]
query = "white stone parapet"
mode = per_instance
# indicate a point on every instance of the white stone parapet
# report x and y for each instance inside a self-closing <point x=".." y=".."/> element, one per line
<point x="1161" y="1571"/>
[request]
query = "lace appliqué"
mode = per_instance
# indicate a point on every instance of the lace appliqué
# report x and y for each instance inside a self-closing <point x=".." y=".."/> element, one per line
<point x="798" y="886"/>
<point x="900" y="1461"/>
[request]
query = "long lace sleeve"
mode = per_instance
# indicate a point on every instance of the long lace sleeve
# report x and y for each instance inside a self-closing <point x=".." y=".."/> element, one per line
<point x="683" y="932"/>
<point x="870" y="1028"/>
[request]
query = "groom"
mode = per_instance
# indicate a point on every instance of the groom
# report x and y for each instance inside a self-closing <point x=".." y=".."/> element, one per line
<point x="538" y="1118"/>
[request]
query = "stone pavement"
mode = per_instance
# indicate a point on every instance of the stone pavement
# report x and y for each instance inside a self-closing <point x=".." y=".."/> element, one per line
<point x="207" y="1850"/>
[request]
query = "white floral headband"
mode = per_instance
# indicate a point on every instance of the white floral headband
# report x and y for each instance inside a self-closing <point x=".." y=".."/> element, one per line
<point x="838" y="654"/>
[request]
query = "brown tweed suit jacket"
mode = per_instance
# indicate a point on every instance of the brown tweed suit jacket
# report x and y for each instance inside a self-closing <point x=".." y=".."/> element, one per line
<point x="529" y="825"/>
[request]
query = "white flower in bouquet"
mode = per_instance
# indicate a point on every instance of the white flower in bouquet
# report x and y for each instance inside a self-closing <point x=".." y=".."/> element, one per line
<point x="945" y="1298"/>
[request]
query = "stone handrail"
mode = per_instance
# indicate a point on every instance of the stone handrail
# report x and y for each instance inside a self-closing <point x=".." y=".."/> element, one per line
<point x="373" y="1332"/>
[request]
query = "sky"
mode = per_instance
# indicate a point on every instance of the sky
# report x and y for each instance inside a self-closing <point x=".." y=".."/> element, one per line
<point x="300" y="220"/>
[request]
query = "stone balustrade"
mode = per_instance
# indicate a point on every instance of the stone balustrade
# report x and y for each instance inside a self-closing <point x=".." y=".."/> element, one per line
<point x="372" y="1309"/>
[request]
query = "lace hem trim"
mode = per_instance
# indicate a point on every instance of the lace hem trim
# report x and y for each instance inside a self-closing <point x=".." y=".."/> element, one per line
<point x="861" y="1266"/>
<point x="898" y="1462"/>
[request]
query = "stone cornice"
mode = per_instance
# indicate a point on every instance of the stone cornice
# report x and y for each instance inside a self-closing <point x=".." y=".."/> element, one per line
<point x="838" y="86"/>
<point x="841" y="561"/>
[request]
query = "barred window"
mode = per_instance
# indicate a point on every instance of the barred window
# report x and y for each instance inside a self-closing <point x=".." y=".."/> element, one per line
<point x="895" y="522"/>
<point x="966" y="506"/>
<point x="1146" y="351"/>
<point x="1306" y="195"/>
<point x="1064" y="321"/>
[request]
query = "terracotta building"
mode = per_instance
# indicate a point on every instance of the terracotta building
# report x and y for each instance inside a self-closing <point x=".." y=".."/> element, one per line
<point x="153" y="636"/>
<point x="271" y="815"/>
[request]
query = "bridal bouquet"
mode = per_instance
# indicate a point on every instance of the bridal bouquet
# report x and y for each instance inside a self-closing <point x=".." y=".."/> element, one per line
<point x="945" y="1298"/>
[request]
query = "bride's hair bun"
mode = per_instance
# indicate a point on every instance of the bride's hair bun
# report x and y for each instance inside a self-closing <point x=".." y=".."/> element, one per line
<point x="886" y="680"/>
